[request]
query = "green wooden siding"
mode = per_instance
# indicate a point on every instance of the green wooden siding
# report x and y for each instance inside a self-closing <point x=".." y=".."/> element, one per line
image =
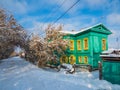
<point x="111" y="71"/>
<point x="94" y="36"/>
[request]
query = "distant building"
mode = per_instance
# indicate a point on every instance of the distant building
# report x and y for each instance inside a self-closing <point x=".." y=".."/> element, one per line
<point x="86" y="45"/>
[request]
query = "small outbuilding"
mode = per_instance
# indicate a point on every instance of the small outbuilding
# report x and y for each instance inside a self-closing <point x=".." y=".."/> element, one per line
<point x="111" y="66"/>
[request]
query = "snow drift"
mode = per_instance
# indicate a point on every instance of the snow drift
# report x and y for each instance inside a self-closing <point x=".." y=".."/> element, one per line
<point x="18" y="74"/>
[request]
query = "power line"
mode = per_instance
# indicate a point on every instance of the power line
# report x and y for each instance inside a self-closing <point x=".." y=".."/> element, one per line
<point x="66" y="12"/>
<point x="54" y="10"/>
<point x="63" y="14"/>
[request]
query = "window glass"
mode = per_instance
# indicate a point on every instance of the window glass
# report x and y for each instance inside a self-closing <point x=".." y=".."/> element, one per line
<point x="64" y="59"/>
<point x="71" y="44"/>
<point x="78" y="44"/>
<point x="85" y="43"/>
<point x="85" y="59"/>
<point x="103" y="44"/>
<point x="72" y="59"/>
<point x="80" y="59"/>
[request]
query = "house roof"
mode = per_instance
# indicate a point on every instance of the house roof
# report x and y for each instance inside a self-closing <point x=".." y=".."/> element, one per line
<point x="110" y="51"/>
<point x="111" y="54"/>
<point x="87" y="29"/>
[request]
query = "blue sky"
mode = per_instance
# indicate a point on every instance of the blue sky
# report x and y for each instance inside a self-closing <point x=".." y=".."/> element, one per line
<point x="35" y="15"/>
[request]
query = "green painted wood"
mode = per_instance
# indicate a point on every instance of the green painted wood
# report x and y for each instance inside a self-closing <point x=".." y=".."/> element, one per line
<point x="111" y="71"/>
<point x="95" y="35"/>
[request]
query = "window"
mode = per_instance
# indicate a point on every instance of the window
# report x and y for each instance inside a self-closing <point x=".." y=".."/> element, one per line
<point x="80" y="59"/>
<point x="86" y="60"/>
<point x="64" y="59"/>
<point x="103" y="44"/>
<point x="85" y="43"/>
<point x="71" y="44"/>
<point x="72" y="59"/>
<point x="78" y="44"/>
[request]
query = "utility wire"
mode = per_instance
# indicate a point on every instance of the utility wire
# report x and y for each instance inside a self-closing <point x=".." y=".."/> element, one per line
<point x="54" y="10"/>
<point x="65" y="12"/>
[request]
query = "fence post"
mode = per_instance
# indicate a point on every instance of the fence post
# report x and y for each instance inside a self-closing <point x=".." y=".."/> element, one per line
<point x="100" y="70"/>
<point x="90" y="68"/>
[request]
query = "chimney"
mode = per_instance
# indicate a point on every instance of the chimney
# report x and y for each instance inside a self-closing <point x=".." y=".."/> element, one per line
<point x="73" y="30"/>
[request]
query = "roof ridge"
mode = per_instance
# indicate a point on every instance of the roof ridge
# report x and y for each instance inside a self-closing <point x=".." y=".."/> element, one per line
<point x="82" y="30"/>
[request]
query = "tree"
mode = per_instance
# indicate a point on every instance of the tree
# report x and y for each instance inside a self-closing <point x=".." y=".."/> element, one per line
<point x="48" y="49"/>
<point x="11" y="34"/>
<point x="38" y="50"/>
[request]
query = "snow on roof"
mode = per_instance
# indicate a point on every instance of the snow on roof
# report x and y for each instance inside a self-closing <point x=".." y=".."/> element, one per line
<point x="110" y="55"/>
<point x="110" y="51"/>
<point x="69" y="32"/>
<point x="82" y="30"/>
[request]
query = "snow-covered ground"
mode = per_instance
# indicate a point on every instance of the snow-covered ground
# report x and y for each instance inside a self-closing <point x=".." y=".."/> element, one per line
<point x="18" y="74"/>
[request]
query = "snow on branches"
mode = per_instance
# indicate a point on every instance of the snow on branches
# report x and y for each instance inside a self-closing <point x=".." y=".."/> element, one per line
<point x="11" y="34"/>
<point x="38" y="50"/>
<point x="43" y="50"/>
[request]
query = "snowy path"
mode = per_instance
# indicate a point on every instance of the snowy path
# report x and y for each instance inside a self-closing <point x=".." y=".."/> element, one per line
<point x="18" y="74"/>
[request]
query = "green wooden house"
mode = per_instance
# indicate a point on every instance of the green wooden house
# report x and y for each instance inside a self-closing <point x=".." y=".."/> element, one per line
<point x="86" y="45"/>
